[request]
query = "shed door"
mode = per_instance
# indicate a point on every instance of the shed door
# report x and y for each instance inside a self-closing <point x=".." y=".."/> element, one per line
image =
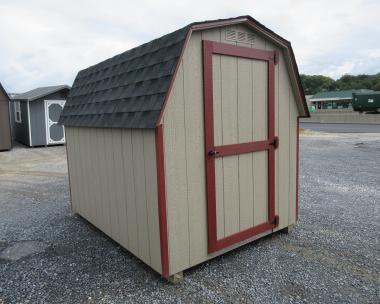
<point x="240" y="142"/>
<point x="55" y="133"/>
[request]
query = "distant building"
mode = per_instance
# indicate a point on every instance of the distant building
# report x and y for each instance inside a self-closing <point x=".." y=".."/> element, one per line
<point x="35" y="114"/>
<point x="334" y="100"/>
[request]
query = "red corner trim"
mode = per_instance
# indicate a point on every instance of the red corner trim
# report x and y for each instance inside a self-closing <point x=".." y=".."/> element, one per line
<point x="68" y="173"/>
<point x="271" y="136"/>
<point x="162" y="201"/>
<point x="173" y="78"/>
<point x="298" y="164"/>
<point x="211" y="152"/>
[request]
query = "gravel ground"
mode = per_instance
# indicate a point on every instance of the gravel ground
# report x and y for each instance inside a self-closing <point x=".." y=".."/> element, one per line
<point x="49" y="255"/>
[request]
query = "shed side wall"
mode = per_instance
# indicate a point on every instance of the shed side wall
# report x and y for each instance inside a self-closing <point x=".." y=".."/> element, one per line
<point x="183" y="123"/>
<point x="5" y="128"/>
<point x="114" y="186"/>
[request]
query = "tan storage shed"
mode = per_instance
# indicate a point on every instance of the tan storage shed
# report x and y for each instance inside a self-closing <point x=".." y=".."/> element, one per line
<point x="186" y="147"/>
<point x="5" y="124"/>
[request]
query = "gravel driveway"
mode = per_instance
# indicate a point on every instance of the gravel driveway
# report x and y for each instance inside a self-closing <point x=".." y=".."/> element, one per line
<point x="49" y="255"/>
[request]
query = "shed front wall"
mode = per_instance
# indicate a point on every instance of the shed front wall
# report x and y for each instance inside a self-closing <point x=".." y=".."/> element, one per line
<point x="113" y="181"/>
<point x="183" y="123"/>
<point x="5" y="128"/>
<point x="38" y="119"/>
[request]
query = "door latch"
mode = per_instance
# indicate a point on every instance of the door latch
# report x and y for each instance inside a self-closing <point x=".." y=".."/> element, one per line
<point x="275" y="141"/>
<point x="213" y="152"/>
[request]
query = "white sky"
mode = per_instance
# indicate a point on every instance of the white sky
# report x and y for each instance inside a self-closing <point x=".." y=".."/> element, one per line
<point x="47" y="42"/>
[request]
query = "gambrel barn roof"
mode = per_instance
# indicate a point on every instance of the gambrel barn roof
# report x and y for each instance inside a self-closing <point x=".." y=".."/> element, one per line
<point x="130" y="89"/>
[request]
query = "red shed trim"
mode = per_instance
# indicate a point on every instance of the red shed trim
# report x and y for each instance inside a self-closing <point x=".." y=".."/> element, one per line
<point x="162" y="218"/>
<point x="298" y="164"/>
<point x="211" y="152"/>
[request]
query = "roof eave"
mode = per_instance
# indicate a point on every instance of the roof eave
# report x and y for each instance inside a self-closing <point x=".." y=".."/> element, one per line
<point x="3" y="90"/>
<point x="42" y="95"/>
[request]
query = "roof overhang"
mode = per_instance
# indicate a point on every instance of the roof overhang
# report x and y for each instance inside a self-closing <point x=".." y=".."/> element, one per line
<point x="276" y="39"/>
<point x="4" y="92"/>
<point x="331" y="99"/>
<point x="63" y="87"/>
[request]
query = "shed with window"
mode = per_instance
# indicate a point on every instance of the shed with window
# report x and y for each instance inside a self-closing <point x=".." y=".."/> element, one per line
<point x="187" y="146"/>
<point x="5" y="125"/>
<point x="35" y="114"/>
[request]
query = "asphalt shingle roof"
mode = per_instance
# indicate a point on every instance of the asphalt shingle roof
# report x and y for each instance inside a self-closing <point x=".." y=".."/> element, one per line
<point x="127" y="90"/>
<point x="39" y="92"/>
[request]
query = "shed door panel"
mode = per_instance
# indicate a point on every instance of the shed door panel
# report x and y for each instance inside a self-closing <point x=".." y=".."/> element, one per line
<point x="55" y="133"/>
<point x="240" y="116"/>
<point x="239" y="129"/>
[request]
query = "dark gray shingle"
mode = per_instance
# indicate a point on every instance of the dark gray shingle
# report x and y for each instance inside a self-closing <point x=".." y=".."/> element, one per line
<point x="128" y="90"/>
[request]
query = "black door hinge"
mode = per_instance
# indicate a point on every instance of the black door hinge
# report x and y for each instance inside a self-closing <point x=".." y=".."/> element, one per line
<point x="276" y="221"/>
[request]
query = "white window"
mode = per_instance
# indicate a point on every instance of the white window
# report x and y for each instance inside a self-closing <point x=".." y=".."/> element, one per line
<point x="17" y="111"/>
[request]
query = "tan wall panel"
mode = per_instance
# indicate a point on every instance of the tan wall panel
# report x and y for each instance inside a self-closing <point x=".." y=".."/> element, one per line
<point x="114" y="186"/>
<point x="139" y="177"/>
<point x="196" y="182"/>
<point x="245" y="127"/>
<point x="176" y="178"/>
<point x="129" y="186"/>
<point x="152" y="199"/>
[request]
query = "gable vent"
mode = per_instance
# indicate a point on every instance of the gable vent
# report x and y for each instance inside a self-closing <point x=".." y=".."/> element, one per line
<point x="238" y="36"/>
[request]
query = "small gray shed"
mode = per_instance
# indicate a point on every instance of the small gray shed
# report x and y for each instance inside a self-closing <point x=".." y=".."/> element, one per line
<point x="5" y="127"/>
<point x="187" y="146"/>
<point x="34" y="116"/>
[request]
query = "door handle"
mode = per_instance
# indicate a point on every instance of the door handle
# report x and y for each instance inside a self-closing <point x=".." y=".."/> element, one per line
<point x="213" y="152"/>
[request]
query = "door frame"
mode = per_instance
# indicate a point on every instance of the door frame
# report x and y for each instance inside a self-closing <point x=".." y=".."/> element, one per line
<point x="47" y="126"/>
<point x="212" y="152"/>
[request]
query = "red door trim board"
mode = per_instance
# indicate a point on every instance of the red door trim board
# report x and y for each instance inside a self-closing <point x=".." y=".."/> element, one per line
<point x="162" y="219"/>
<point x="298" y="164"/>
<point x="211" y="152"/>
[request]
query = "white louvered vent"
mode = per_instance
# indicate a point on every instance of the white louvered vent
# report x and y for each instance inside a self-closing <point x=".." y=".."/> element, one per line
<point x="231" y="35"/>
<point x="239" y="36"/>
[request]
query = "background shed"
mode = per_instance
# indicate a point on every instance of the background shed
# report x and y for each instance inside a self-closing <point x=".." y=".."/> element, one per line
<point x="187" y="146"/>
<point x="34" y="116"/>
<point x="5" y="127"/>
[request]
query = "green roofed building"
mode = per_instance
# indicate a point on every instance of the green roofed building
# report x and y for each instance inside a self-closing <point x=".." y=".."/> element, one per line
<point x="330" y="100"/>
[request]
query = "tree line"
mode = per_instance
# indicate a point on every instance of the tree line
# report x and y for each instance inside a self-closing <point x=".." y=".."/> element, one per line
<point x="313" y="84"/>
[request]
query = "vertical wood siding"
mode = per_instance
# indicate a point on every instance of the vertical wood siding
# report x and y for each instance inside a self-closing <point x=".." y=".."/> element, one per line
<point x="240" y="108"/>
<point x="114" y="186"/>
<point x="184" y="150"/>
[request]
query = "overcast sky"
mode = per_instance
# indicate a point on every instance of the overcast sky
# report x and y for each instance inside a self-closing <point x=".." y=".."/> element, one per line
<point x="47" y="42"/>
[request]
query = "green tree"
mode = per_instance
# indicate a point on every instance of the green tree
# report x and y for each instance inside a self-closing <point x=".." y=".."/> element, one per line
<point x="316" y="83"/>
<point x="313" y="84"/>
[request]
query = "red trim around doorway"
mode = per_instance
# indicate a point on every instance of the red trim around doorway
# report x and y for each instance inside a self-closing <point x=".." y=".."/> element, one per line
<point x="298" y="164"/>
<point x="235" y="149"/>
<point x="162" y="201"/>
<point x="212" y="152"/>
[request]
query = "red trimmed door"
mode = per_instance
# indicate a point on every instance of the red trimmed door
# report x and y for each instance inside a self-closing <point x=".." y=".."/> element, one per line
<point x="240" y="142"/>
